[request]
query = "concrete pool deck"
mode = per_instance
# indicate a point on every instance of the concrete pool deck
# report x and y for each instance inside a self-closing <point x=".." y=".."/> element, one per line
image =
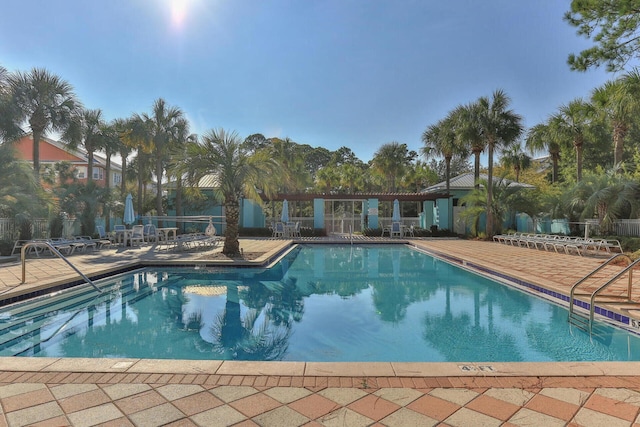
<point x="85" y="392"/>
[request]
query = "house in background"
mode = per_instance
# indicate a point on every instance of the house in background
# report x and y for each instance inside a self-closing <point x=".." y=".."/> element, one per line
<point x="459" y="187"/>
<point x="52" y="152"/>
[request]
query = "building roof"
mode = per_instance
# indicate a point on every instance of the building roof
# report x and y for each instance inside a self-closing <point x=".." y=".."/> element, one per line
<point x="79" y="153"/>
<point x="466" y="182"/>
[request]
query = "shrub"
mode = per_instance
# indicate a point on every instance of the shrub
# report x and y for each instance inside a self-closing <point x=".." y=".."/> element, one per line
<point x="6" y="246"/>
<point x="56" y="225"/>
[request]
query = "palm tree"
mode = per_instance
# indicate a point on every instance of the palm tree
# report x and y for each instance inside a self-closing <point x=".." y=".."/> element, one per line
<point x="617" y="102"/>
<point x="391" y="161"/>
<point x="182" y="138"/>
<point x="126" y="144"/>
<point x="110" y="143"/>
<point x="20" y="192"/>
<point x="163" y="126"/>
<point x="542" y="137"/>
<point x="46" y="102"/>
<point x="500" y="126"/>
<point x="86" y="130"/>
<point x="239" y="175"/>
<point x="469" y="132"/>
<point x="440" y="140"/>
<point x="607" y="197"/>
<point x="513" y="156"/>
<point x="9" y="116"/>
<point x="572" y="122"/>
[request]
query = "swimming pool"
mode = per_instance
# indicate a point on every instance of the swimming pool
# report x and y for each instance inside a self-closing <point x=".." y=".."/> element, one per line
<point x="318" y="303"/>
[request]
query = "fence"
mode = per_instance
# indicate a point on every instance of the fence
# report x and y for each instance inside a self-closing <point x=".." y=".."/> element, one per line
<point x="10" y="228"/>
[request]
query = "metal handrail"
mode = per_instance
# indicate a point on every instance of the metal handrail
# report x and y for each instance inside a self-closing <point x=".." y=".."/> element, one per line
<point x="628" y="268"/>
<point x="23" y="257"/>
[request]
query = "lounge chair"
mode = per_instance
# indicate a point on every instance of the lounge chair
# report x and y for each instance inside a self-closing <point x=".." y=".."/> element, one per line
<point x="104" y="239"/>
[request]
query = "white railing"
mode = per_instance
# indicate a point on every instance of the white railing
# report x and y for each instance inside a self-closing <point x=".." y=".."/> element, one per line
<point x="10" y="228"/>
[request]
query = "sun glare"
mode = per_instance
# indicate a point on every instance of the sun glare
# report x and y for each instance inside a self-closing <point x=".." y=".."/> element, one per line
<point x="179" y="9"/>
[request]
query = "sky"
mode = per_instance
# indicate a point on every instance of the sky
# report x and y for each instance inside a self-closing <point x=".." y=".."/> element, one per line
<point x="329" y="73"/>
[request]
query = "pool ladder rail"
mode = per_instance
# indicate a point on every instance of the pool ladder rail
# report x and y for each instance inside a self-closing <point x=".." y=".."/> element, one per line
<point x="586" y="323"/>
<point x="48" y="245"/>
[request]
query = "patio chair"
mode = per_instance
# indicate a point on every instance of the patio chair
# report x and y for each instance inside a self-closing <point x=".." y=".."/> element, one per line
<point x="296" y="230"/>
<point x="137" y="235"/>
<point x="118" y="232"/>
<point x="279" y="231"/>
<point x="396" y="230"/>
<point x="150" y="233"/>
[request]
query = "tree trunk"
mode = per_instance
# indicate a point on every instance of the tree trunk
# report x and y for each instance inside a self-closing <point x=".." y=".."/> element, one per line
<point x="107" y="186"/>
<point x="123" y="184"/>
<point x="578" y="143"/>
<point x="37" y="134"/>
<point x="179" y="211"/>
<point x="159" y="189"/>
<point x="619" y="132"/>
<point x="89" y="166"/>
<point x="231" y="246"/>
<point x="476" y="168"/>
<point x="555" y="157"/>
<point x="490" y="219"/>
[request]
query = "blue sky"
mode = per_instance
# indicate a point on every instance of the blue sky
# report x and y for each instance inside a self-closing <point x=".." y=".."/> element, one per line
<point x="331" y="73"/>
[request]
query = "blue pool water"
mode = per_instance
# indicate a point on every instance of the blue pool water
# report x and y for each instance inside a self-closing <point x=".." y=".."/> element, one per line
<point x="319" y="303"/>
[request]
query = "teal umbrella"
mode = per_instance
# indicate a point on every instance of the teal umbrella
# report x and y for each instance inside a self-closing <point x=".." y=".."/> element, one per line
<point x="396" y="211"/>
<point x="285" y="211"/>
<point x="129" y="215"/>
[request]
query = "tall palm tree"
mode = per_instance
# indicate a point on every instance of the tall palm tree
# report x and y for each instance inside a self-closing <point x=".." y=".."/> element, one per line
<point x="46" y="102"/>
<point x="126" y="144"/>
<point x="440" y="140"/>
<point x="615" y="102"/>
<point x="86" y="131"/>
<point x="239" y="175"/>
<point x="513" y="156"/>
<point x="469" y="130"/>
<point x="572" y="122"/>
<point x="500" y="126"/>
<point x="110" y="144"/>
<point x="543" y="137"/>
<point x="391" y="161"/>
<point x="163" y="126"/>
<point x="182" y="138"/>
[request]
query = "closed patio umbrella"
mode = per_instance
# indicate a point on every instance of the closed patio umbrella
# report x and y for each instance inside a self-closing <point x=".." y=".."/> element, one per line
<point x="284" y="217"/>
<point x="129" y="215"/>
<point x="396" y="211"/>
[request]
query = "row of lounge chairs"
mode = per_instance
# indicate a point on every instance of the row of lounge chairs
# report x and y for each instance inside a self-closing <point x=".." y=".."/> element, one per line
<point x="188" y="241"/>
<point x="66" y="246"/>
<point x="561" y="244"/>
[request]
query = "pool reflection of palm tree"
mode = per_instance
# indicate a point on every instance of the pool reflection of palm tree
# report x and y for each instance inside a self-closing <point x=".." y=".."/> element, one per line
<point x="245" y="338"/>
<point x="460" y="338"/>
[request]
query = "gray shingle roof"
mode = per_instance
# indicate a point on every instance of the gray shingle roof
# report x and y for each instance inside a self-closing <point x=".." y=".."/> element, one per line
<point x="466" y="182"/>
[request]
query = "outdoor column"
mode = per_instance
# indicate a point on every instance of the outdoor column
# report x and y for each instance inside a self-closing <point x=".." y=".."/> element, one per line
<point x="364" y="217"/>
<point x="444" y="214"/>
<point x="318" y="213"/>
<point x="372" y="212"/>
<point x="428" y="207"/>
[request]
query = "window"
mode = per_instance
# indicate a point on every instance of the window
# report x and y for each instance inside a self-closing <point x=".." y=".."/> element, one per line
<point x="81" y="172"/>
<point x="117" y="178"/>
<point x="98" y="173"/>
